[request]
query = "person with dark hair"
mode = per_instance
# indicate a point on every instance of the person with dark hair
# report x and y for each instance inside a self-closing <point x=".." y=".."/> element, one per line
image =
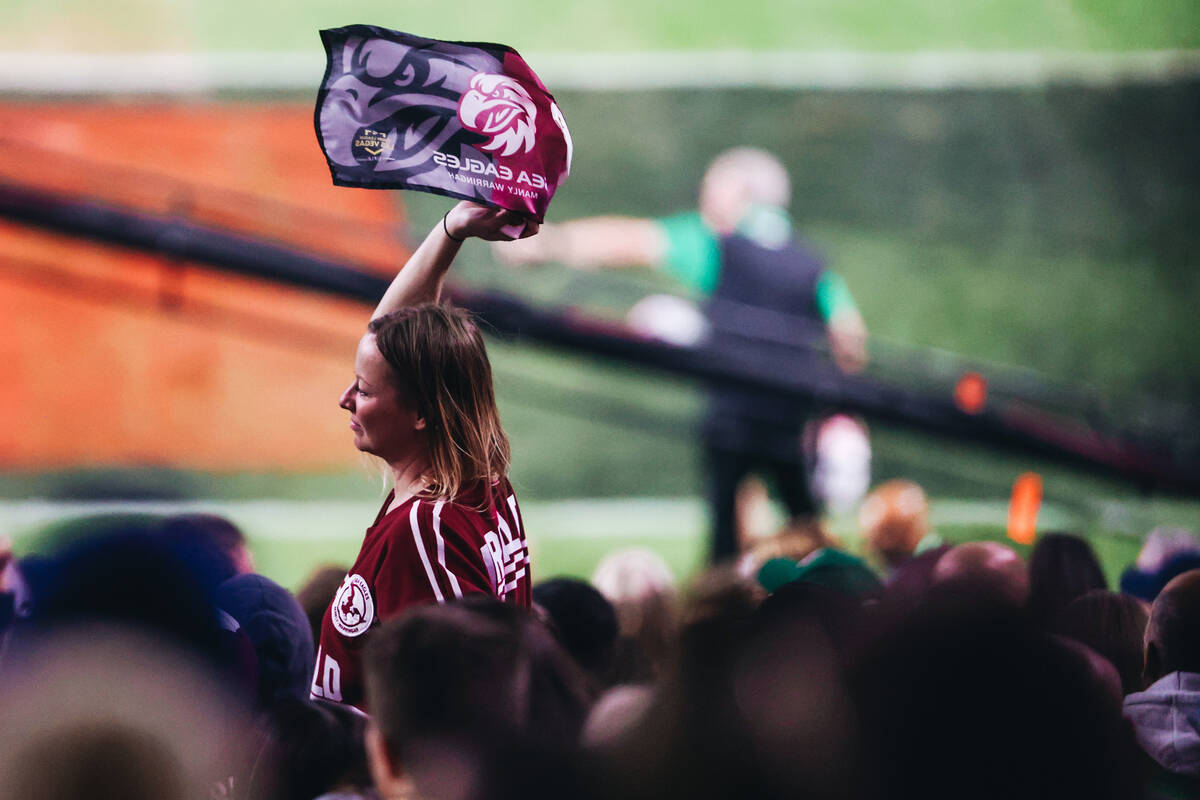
<point x="981" y="573"/>
<point x="459" y="692"/>
<point x="583" y="621"/>
<point x="973" y="701"/>
<point x="754" y="707"/>
<point x="1063" y="566"/>
<point x="1166" y="716"/>
<point x="314" y="749"/>
<point x="213" y="539"/>
<point x="1114" y="625"/>
<point x="278" y="631"/>
<point x="127" y="575"/>
<point x="422" y="401"/>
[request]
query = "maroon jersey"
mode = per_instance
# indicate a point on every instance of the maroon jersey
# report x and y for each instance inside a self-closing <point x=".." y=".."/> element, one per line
<point x="422" y="551"/>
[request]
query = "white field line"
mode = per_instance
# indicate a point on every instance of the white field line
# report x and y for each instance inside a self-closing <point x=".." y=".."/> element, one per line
<point x="336" y="519"/>
<point x="648" y="518"/>
<point x="182" y="73"/>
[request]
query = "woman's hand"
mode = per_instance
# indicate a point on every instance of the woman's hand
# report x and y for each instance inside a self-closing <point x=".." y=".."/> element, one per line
<point x="420" y="279"/>
<point x="487" y="223"/>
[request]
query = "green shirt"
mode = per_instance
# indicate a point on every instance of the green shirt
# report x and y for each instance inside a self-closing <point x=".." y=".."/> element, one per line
<point x="693" y="255"/>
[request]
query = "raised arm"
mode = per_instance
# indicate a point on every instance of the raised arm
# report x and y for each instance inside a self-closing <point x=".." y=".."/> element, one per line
<point x="591" y="243"/>
<point x="420" y="279"/>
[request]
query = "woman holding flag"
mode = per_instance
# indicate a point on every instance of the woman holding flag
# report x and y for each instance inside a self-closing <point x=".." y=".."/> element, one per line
<point x="422" y="401"/>
<point x="470" y="121"/>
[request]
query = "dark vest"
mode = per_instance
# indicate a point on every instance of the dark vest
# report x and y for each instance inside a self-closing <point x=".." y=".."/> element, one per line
<point x="763" y="314"/>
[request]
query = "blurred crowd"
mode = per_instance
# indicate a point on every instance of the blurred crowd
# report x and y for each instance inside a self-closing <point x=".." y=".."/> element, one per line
<point x="146" y="659"/>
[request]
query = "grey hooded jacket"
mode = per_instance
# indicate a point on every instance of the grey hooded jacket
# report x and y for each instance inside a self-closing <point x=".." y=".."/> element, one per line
<point x="1166" y="721"/>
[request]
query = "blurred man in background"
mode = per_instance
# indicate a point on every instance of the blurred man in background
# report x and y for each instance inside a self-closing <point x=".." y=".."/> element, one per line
<point x="771" y="304"/>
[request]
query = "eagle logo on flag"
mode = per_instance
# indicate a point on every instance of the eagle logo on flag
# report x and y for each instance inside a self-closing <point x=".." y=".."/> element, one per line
<point x="499" y="107"/>
<point x="468" y="120"/>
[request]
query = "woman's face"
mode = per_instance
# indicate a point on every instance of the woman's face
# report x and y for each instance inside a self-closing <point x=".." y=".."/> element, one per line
<point x="383" y="423"/>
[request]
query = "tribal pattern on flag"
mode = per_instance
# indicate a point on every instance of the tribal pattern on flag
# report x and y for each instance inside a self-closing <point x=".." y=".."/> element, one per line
<point x="461" y="119"/>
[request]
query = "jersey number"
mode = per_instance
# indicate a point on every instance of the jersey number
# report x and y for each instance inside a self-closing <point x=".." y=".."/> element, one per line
<point x="327" y="678"/>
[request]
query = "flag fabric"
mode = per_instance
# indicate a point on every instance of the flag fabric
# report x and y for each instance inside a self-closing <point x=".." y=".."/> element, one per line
<point x="463" y="119"/>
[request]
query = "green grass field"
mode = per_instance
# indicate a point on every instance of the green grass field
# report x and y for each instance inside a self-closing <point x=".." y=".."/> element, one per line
<point x="544" y="25"/>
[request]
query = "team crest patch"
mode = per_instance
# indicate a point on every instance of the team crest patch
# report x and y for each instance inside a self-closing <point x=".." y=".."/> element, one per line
<point x="353" y="608"/>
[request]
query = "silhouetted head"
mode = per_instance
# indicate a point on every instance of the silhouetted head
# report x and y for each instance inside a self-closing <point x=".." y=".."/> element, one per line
<point x="212" y="537"/>
<point x="583" y="621"/>
<point x="1062" y="567"/>
<point x="452" y="687"/>
<point x="985" y="572"/>
<point x="1113" y="625"/>
<point x="315" y="748"/>
<point x="278" y="630"/>
<point x="1173" y="632"/>
<point x="973" y="701"/>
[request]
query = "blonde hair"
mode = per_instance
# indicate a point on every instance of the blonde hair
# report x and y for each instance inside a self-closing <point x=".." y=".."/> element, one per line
<point x="441" y="367"/>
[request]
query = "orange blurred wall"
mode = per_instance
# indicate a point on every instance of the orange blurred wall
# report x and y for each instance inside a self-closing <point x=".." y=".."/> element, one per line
<point x="117" y="358"/>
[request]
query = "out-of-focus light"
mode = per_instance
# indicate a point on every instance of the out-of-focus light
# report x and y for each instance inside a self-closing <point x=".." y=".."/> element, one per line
<point x="1023" y="508"/>
<point x="970" y="393"/>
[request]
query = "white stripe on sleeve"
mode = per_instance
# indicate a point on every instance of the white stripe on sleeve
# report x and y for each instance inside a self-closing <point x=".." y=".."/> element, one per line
<point x="441" y="546"/>
<point x="512" y="504"/>
<point x="416" y="532"/>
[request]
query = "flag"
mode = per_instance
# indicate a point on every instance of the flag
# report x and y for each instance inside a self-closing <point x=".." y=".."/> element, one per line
<point x="463" y="119"/>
